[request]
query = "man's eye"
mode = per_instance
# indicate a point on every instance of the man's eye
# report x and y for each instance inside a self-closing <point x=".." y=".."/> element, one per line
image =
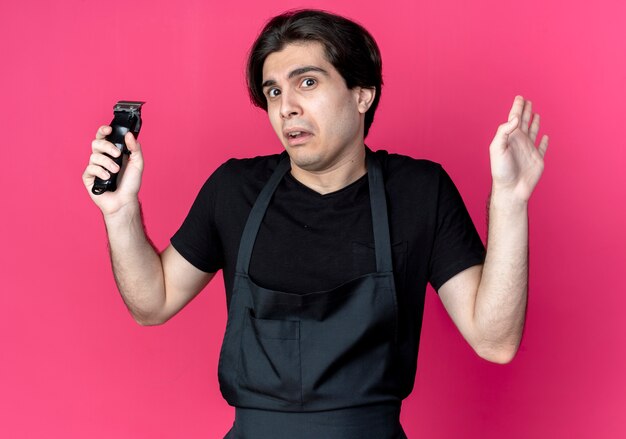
<point x="308" y="82"/>
<point x="273" y="92"/>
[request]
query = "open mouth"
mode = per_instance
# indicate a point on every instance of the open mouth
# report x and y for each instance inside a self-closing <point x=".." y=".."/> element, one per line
<point x="297" y="137"/>
<point x="297" y="134"/>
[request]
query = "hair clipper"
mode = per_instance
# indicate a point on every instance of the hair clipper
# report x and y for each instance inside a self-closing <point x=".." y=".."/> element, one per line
<point x="126" y="117"/>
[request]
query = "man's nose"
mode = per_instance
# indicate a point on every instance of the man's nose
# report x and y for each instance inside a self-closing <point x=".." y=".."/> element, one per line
<point x="289" y="105"/>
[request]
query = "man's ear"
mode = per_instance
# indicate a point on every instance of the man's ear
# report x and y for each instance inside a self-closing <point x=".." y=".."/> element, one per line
<point x="365" y="97"/>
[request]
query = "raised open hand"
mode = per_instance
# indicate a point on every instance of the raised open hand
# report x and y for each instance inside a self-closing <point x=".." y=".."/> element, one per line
<point x="516" y="163"/>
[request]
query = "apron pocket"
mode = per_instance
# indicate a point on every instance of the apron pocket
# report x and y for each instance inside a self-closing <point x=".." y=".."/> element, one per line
<point x="269" y="363"/>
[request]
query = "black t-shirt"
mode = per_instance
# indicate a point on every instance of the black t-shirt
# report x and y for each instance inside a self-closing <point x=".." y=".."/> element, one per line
<point x="310" y="242"/>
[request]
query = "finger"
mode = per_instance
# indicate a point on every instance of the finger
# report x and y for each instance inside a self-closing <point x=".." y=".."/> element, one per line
<point x="104" y="146"/>
<point x="103" y="131"/>
<point x="516" y="109"/>
<point x="104" y="161"/>
<point x="534" y="128"/>
<point x="93" y="171"/>
<point x="543" y="146"/>
<point x="526" y="114"/>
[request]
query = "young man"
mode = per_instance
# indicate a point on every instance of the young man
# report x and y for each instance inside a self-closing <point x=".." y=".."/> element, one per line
<point x="328" y="247"/>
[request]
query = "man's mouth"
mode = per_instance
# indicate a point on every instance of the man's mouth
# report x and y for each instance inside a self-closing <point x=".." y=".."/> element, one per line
<point x="297" y="137"/>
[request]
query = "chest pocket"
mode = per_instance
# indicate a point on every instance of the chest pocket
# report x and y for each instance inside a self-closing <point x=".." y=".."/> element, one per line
<point x="364" y="260"/>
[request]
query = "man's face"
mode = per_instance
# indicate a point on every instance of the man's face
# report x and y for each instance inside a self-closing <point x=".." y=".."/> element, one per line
<point x="317" y="118"/>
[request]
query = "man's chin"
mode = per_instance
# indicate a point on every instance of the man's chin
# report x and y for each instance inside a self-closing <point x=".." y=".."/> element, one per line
<point x="306" y="162"/>
<point x="302" y="156"/>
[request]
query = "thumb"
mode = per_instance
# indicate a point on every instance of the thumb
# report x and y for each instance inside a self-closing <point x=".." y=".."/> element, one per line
<point x="510" y="126"/>
<point x="131" y="143"/>
<point x="502" y="134"/>
<point x="136" y="156"/>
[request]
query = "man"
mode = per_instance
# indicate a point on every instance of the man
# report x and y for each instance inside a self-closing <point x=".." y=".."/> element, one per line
<point x="327" y="248"/>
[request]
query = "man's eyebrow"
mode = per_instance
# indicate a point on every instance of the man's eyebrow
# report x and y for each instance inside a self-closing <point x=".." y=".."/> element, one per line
<point x="296" y="72"/>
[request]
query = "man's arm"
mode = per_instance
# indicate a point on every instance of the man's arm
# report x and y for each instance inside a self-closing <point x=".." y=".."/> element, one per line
<point x="154" y="287"/>
<point x="488" y="302"/>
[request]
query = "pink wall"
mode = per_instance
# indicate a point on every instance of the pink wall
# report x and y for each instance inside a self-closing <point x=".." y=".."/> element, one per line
<point x="73" y="364"/>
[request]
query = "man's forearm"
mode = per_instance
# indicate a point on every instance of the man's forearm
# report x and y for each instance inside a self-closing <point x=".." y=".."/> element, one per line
<point x="136" y="264"/>
<point x="500" y="307"/>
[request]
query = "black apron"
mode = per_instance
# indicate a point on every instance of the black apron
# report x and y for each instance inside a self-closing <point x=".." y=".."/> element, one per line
<point x="316" y="365"/>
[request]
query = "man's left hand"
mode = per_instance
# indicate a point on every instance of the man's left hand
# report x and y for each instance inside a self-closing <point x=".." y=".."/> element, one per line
<point x="516" y="164"/>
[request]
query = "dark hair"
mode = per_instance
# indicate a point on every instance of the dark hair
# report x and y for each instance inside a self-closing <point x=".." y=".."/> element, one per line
<point x="348" y="47"/>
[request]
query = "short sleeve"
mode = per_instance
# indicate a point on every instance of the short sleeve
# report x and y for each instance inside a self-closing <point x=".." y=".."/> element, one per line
<point x="197" y="239"/>
<point x="456" y="245"/>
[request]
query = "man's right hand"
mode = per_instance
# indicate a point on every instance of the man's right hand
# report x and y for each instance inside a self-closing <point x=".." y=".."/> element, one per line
<point x="100" y="165"/>
<point x="154" y="287"/>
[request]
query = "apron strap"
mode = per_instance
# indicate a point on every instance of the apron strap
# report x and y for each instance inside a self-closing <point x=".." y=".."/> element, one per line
<point x="257" y="213"/>
<point x="380" y="222"/>
<point x="382" y="242"/>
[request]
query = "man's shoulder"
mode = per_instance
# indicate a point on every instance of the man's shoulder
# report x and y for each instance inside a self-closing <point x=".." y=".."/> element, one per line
<point x="401" y="167"/>
<point x="251" y="165"/>
<point x="241" y="170"/>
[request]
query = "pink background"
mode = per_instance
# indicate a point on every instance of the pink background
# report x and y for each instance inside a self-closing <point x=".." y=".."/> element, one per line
<point x="75" y="365"/>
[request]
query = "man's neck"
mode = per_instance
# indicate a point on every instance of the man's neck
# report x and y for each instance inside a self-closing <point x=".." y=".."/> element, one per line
<point x="347" y="170"/>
